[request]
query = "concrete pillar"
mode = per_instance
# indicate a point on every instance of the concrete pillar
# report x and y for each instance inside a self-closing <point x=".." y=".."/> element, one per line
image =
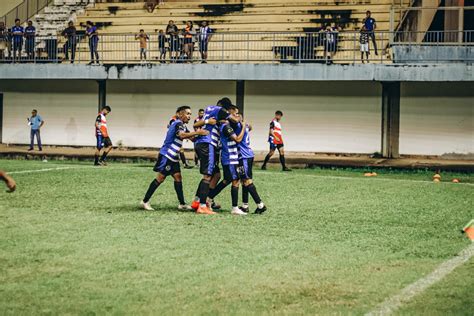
<point x="240" y="93"/>
<point x="102" y="94"/>
<point x="390" y="119"/>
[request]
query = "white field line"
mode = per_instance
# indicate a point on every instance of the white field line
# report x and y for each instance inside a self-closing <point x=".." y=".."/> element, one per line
<point x="395" y="302"/>
<point x="42" y="170"/>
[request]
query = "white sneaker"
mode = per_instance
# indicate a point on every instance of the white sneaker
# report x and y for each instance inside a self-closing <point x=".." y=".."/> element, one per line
<point x="146" y="206"/>
<point x="185" y="208"/>
<point x="237" y="211"/>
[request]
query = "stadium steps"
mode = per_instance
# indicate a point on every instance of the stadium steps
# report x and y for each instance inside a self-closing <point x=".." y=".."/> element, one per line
<point x="233" y="17"/>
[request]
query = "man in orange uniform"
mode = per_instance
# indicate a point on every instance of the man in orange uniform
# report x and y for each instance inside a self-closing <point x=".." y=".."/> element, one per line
<point x="102" y="135"/>
<point x="276" y="142"/>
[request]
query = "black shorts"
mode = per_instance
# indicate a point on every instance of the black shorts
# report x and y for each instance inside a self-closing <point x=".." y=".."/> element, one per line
<point x="231" y="172"/>
<point x="103" y="142"/>
<point x="276" y="146"/>
<point x="188" y="40"/>
<point x="208" y="158"/>
<point x="246" y="168"/>
<point x="165" y="166"/>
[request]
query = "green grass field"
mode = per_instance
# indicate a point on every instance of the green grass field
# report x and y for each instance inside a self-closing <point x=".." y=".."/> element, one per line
<point x="73" y="241"/>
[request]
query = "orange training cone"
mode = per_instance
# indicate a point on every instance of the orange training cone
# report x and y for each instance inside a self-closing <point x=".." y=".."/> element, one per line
<point x="469" y="230"/>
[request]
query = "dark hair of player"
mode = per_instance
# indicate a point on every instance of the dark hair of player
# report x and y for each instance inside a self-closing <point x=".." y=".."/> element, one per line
<point x="201" y="110"/>
<point x="226" y="103"/>
<point x="279" y="113"/>
<point x="17" y="20"/>
<point x="182" y="108"/>
<point x="108" y="108"/>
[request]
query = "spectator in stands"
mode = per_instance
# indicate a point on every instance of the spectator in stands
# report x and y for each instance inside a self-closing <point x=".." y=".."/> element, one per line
<point x="36" y="122"/>
<point x="9" y="42"/>
<point x="17" y="32"/>
<point x="30" y="35"/>
<point x="172" y="32"/>
<point x="205" y="35"/>
<point x="3" y="40"/>
<point x="150" y="5"/>
<point x="162" y="46"/>
<point x="143" y="38"/>
<point x="330" y="43"/>
<point x="93" y="35"/>
<point x="189" y="34"/>
<point x="71" y="41"/>
<point x="364" y="44"/>
<point x="371" y="25"/>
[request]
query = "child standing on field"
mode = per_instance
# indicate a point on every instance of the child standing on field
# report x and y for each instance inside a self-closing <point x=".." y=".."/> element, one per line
<point x="143" y="38"/>
<point x="161" y="45"/>
<point x="364" y="44"/>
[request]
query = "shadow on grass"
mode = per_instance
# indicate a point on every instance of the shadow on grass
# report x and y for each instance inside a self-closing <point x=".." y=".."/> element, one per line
<point x="164" y="209"/>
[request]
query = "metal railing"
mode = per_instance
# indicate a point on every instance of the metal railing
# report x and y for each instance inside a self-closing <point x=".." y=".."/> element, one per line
<point x="258" y="47"/>
<point x="24" y="11"/>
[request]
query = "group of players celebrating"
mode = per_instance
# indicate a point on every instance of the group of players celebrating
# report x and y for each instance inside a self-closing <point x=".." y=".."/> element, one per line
<point x="221" y="134"/>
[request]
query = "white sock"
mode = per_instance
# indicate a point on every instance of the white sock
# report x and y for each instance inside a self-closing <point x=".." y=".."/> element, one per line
<point x="260" y="205"/>
<point x="203" y="205"/>
<point x="246" y="205"/>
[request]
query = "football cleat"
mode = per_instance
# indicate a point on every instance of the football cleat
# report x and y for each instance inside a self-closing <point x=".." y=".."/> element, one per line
<point x="146" y="206"/>
<point x="244" y="209"/>
<point x="184" y="207"/>
<point x="215" y="206"/>
<point x="237" y="211"/>
<point x="205" y="210"/>
<point x="287" y="169"/>
<point x="195" y="205"/>
<point x="260" y="210"/>
<point x="264" y="167"/>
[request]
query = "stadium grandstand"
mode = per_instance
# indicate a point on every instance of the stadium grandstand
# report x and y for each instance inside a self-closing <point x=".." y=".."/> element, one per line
<point x="353" y="118"/>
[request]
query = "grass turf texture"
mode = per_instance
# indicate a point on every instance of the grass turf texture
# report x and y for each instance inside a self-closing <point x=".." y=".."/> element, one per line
<point x="74" y="241"/>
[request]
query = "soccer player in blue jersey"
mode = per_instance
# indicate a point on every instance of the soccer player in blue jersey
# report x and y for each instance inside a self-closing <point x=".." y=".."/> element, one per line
<point x="246" y="157"/>
<point x="230" y="161"/>
<point x="182" y="157"/>
<point x="168" y="158"/>
<point x="207" y="151"/>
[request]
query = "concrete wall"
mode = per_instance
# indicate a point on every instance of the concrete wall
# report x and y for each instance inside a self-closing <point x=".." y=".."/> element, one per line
<point x="318" y="116"/>
<point x="69" y="116"/>
<point x="436" y="118"/>
<point x="142" y="109"/>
